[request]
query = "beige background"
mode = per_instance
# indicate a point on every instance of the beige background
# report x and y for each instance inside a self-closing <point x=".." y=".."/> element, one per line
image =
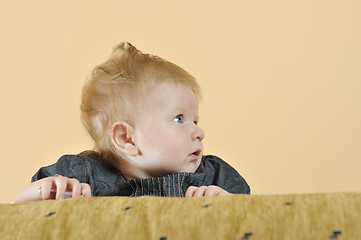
<point x="281" y="82"/>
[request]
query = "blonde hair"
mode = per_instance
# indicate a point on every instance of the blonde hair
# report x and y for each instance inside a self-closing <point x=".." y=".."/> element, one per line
<point x="116" y="88"/>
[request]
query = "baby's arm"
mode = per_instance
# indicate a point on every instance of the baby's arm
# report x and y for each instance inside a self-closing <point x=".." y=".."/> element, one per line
<point x="54" y="187"/>
<point x="201" y="191"/>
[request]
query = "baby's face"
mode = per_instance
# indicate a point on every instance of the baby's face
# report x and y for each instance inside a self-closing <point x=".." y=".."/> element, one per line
<point x="166" y="131"/>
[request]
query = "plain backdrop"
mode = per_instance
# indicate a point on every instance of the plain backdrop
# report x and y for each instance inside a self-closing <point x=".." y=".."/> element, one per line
<point x="281" y="82"/>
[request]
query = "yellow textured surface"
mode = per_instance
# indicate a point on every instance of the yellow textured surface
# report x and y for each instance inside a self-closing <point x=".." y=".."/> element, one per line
<point x="304" y="216"/>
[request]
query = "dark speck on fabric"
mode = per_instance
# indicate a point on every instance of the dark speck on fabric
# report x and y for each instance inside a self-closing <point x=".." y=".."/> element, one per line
<point x="335" y="234"/>
<point x="49" y="214"/>
<point x="207" y="205"/>
<point x="246" y="236"/>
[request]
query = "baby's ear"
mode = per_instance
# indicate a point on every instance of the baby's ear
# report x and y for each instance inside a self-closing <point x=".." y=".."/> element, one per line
<point x="122" y="134"/>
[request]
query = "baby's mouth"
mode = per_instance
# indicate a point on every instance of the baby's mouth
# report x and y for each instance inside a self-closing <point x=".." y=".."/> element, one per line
<point x="196" y="153"/>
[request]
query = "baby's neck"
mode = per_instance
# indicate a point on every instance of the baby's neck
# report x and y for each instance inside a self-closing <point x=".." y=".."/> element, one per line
<point x="131" y="171"/>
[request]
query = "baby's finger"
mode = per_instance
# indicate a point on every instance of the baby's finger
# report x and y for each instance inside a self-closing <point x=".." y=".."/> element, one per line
<point x="200" y="191"/>
<point x="212" y="191"/>
<point x="215" y="191"/>
<point x="45" y="189"/>
<point x="222" y="192"/>
<point x="85" y="190"/>
<point x="190" y="191"/>
<point x="61" y="186"/>
<point x="74" y="186"/>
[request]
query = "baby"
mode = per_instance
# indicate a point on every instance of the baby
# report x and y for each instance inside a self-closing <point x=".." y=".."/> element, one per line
<point x="142" y="113"/>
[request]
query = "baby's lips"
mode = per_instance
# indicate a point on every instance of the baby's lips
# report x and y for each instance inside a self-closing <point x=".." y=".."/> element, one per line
<point x="197" y="153"/>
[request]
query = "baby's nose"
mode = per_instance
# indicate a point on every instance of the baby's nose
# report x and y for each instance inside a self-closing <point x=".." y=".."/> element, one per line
<point x="198" y="133"/>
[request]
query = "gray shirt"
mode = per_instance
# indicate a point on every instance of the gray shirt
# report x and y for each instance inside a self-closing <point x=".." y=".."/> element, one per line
<point x="105" y="180"/>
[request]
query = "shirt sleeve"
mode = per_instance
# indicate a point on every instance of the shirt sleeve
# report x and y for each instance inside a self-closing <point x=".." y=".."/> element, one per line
<point x="66" y="166"/>
<point x="221" y="174"/>
<point x="86" y="169"/>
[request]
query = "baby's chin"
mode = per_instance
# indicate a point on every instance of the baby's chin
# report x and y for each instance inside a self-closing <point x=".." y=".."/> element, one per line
<point x="192" y="168"/>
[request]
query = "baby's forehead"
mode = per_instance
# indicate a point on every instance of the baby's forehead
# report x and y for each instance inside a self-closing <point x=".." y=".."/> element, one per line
<point x="171" y="94"/>
<point x="168" y="86"/>
<point x="154" y="76"/>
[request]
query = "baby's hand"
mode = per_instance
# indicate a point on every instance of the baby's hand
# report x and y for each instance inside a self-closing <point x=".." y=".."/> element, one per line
<point x="55" y="187"/>
<point x="201" y="191"/>
<point x="59" y="187"/>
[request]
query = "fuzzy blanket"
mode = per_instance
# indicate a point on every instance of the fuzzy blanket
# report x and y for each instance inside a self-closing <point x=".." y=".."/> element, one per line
<point x="241" y="217"/>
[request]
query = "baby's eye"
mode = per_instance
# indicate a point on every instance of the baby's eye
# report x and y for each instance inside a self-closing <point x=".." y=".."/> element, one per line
<point x="179" y="118"/>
